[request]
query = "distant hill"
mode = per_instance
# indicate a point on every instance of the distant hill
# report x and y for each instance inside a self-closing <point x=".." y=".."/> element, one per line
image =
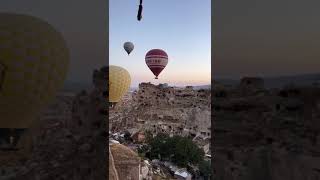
<point x="301" y="80"/>
<point x="202" y="87"/>
<point x="194" y="87"/>
<point x="280" y="81"/>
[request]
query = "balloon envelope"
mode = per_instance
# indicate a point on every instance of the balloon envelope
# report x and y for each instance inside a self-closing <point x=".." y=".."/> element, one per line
<point x="34" y="60"/>
<point x="156" y="60"/>
<point x="119" y="83"/>
<point x="128" y="46"/>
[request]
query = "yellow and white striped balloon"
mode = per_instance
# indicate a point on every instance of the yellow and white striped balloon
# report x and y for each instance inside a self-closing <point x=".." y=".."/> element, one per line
<point x="119" y="83"/>
<point x="34" y="61"/>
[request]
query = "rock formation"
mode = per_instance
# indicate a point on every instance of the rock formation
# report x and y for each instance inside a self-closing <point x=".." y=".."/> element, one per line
<point x="181" y="111"/>
<point x="273" y="134"/>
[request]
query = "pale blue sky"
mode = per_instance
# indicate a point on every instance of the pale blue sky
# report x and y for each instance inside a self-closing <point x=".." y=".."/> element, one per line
<point x="180" y="27"/>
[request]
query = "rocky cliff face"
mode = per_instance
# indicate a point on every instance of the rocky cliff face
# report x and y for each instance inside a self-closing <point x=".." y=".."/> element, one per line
<point x="164" y="109"/>
<point x="264" y="134"/>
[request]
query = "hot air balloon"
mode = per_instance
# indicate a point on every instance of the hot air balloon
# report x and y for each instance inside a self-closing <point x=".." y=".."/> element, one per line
<point x="128" y="46"/>
<point x="157" y="60"/>
<point x="34" y="60"/>
<point x="119" y="83"/>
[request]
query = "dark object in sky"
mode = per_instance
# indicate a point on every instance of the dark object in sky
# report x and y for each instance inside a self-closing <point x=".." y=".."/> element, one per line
<point x="139" y="16"/>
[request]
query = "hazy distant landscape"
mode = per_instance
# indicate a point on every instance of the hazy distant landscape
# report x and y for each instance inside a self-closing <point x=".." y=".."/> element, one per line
<point x="270" y="82"/>
<point x="194" y="87"/>
<point x="71" y="86"/>
<point x="280" y="81"/>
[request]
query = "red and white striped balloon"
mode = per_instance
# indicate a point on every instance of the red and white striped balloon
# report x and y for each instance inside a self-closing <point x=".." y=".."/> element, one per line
<point x="157" y="60"/>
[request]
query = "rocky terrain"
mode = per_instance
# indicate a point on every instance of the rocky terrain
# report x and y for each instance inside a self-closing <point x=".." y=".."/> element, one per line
<point x="69" y="142"/>
<point x="266" y="134"/>
<point x="157" y="108"/>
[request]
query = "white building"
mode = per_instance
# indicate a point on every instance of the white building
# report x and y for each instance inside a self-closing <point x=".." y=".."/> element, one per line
<point x="182" y="174"/>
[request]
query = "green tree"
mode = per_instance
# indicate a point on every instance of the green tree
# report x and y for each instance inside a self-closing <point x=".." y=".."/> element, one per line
<point x="186" y="151"/>
<point x="205" y="169"/>
<point x="158" y="146"/>
<point x="180" y="150"/>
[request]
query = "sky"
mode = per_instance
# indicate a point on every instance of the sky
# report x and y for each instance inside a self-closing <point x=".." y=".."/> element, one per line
<point x="83" y="23"/>
<point x="182" y="28"/>
<point x="265" y="38"/>
<point x="250" y="37"/>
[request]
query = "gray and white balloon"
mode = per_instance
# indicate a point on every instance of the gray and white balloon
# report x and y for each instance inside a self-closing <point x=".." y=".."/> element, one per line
<point x="128" y="46"/>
